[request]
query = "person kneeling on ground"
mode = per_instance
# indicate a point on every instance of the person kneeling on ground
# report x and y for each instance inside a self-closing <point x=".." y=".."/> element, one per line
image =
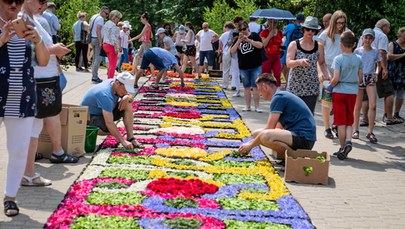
<point x="110" y="101"/>
<point x="162" y="60"/>
<point x="299" y="129"/>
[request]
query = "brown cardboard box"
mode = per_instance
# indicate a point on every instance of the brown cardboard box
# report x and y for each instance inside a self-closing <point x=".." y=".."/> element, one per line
<point x="74" y="121"/>
<point x="297" y="161"/>
<point x="278" y="156"/>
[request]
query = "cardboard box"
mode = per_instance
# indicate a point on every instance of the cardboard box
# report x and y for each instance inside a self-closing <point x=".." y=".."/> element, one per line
<point x="277" y="155"/>
<point x="74" y="121"/>
<point x="302" y="166"/>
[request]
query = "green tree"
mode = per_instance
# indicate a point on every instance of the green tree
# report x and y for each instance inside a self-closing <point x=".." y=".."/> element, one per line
<point x="67" y="14"/>
<point x="216" y="16"/>
<point x="364" y="14"/>
<point x="221" y="12"/>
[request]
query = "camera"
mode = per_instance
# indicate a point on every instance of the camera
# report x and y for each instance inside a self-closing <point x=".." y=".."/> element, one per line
<point x="235" y="33"/>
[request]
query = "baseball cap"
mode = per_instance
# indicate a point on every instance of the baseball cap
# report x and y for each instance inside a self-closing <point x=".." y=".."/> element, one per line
<point x="160" y="30"/>
<point x="182" y="29"/>
<point x="368" y="32"/>
<point x="300" y="17"/>
<point x="128" y="80"/>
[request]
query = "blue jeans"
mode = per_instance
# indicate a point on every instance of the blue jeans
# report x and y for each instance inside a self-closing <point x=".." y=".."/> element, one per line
<point x="249" y="76"/>
<point x="96" y="57"/>
<point x="123" y="58"/>
<point x="209" y="55"/>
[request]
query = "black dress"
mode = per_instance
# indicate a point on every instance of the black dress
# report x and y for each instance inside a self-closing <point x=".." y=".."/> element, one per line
<point x="396" y="69"/>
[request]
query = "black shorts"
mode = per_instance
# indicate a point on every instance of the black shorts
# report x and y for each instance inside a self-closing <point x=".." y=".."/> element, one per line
<point x="179" y="49"/>
<point x="300" y="143"/>
<point x="98" y="120"/>
<point x="49" y="97"/>
<point x="384" y="87"/>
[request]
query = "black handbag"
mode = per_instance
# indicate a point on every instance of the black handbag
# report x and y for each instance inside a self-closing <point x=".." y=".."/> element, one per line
<point x="49" y="97"/>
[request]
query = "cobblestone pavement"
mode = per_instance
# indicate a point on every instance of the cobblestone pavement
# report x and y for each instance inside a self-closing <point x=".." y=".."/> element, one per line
<point x="364" y="191"/>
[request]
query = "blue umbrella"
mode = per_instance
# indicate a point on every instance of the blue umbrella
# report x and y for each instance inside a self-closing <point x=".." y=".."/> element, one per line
<point x="273" y="13"/>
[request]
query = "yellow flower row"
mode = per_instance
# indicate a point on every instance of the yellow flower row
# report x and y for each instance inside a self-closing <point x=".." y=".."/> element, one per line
<point x="238" y="125"/>
<point x="194" y="153"/>
<point x="274" y="181"/>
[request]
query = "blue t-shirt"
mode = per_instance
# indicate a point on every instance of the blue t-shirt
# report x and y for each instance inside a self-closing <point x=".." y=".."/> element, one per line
<point x="168" y="58"/>
<point x="295" y="115"/>
<point x="287" y="33"/>
<point x="100" y="97"/>
<point x="348" y="66"/>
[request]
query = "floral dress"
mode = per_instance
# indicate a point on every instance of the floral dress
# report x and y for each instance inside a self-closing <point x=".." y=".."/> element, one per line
<point x="17" y="83"/>
<point x="303" y="81"/>
<point x="396" y="69"/>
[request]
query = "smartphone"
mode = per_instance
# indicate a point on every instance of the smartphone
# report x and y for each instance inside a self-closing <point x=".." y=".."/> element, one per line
<point x="70" y="45"/>
<point x="19" y="27"/>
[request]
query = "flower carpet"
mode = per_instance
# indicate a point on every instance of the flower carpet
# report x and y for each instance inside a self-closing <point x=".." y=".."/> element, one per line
<point x="188" y="173"/>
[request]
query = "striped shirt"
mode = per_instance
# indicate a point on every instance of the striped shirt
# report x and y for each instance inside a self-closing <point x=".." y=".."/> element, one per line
<point x="17" y="85"/>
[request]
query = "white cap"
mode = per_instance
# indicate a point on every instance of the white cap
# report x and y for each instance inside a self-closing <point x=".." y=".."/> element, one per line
<point x="128" y="80"/>
<point x="127" y="25"/>
<point x="160" y="30"/>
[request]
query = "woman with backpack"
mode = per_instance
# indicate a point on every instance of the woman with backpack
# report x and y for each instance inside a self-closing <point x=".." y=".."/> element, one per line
<point x="272" y="39"/>
<point x="80" y="30"/>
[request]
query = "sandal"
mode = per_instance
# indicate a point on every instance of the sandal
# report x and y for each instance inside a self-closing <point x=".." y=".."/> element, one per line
<point x="355" y="134"/>
<point x="64" y="158"/>
<point x="135" y="143"/>
<point x="10" y="205"/>
<point x="393" y="121"/>
<point x="136" y="86"/>
<point x="246" y="109"/>
<point x="342" y="154"/>
<point x="371" y="137"/>
<point x="35" y="180"/>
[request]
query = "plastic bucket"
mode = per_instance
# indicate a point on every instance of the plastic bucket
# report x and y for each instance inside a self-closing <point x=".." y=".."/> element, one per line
<point x="91" y="139"/>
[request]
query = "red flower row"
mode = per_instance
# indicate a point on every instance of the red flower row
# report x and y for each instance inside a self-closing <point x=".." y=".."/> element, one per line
<point x="181" y="188"/>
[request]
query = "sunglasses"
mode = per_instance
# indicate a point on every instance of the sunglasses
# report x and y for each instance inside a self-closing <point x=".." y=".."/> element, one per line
<point x="17" y="2"/>
<point x="312" y="30"/>
<point x="242" y="29"/>
<point x="205" y="27"/>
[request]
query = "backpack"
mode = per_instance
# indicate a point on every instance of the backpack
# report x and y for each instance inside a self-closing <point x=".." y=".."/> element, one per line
<point x="296" y="33"/>
<point x="85" y="37"/>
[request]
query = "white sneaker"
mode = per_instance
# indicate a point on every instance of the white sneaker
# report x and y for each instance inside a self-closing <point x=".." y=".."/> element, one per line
<point x="237" y="94"/>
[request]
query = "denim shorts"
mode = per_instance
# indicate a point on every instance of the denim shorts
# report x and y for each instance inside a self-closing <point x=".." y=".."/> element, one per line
<point x="150" y="57"/>
<point x="209" y="55"/>
<point x="250" y="75"/>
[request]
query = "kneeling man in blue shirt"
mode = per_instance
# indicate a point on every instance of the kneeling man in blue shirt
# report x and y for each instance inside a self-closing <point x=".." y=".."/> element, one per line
<point x="110" y="101"/>
<point x="297" y="121"/>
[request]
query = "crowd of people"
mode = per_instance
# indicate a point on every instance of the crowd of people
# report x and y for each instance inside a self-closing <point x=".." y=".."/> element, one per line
<point x="317" y="63"/>
<point x="330" y="67"/>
